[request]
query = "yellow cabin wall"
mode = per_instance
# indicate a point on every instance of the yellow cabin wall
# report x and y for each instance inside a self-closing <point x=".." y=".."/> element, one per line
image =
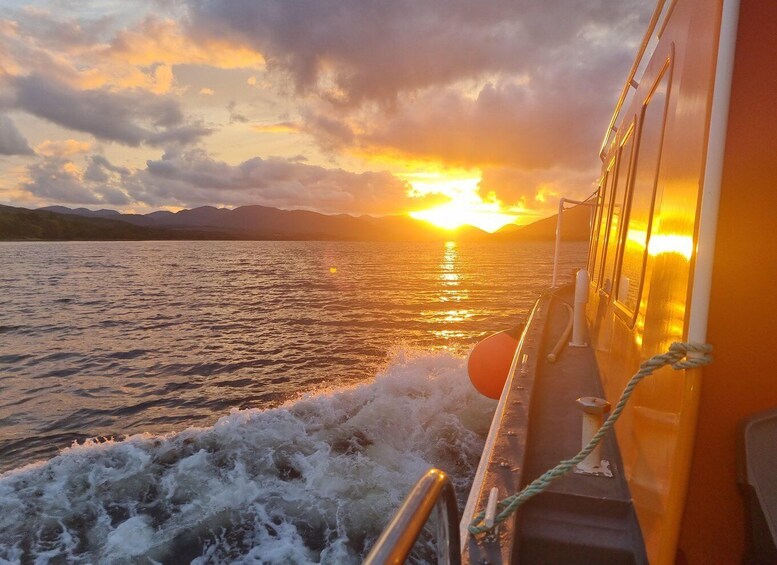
<point x="743" y="308"/>
<point x="655" y="433"/>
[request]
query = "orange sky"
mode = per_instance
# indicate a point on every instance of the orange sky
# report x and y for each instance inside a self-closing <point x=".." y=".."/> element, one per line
<point x="483" y="112"/>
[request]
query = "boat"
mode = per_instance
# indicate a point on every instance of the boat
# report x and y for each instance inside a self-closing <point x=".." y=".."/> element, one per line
<point x="681" y="251"/>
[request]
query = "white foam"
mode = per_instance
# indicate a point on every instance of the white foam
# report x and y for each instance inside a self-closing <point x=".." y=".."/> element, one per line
<point x="130" y="538"/>
<point x="313" y="481"/>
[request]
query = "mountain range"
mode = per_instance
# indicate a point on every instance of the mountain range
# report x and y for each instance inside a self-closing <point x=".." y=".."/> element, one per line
<point x="259" y="223"/>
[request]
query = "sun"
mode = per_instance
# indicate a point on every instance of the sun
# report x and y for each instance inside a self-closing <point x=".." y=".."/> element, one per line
<point x="454" y="215"/>
<point x="466" y="206"/>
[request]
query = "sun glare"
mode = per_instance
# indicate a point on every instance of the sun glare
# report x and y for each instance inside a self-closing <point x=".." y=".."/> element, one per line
<point x="454" y="215"/>
<point x="466" y="206"/>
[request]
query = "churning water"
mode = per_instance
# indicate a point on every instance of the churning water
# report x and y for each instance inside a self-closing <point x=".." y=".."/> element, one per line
<point x="267" y="402"/>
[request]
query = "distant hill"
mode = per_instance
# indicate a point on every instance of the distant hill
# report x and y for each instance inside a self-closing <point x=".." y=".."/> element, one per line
<point x="24" y="224"/>
<point x="260" y="223"/>
<point x="103" y="213"/>
<point x="575" y="227"/>
<point x="300" y="224"/>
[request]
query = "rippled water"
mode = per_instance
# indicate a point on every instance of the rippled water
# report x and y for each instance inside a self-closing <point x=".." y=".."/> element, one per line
<point x="114" y="339"/>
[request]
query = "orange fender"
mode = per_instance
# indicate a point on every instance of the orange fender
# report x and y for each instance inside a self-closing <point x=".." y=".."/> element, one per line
<point x="490" y="360"/>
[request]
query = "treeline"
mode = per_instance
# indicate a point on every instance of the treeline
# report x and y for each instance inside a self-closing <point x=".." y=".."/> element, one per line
<point x="23" y="224"/>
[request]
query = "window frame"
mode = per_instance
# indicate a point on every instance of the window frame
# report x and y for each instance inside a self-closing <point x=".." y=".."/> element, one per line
<point x="621" y="308"/>
<point x="630" y="131"/>
<point x="605" y="188"/>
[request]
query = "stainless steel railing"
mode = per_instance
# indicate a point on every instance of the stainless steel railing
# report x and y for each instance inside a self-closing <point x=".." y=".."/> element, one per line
<point x="559" y="218"/>
<point x="432" y="491"/>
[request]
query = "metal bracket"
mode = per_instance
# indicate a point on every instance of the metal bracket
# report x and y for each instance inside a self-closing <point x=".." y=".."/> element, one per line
<point x="600" y="470"/>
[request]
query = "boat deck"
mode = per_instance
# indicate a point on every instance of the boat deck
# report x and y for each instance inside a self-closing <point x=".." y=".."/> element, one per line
<point x="580" y="518"/>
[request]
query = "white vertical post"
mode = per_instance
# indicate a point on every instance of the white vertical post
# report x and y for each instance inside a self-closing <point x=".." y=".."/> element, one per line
<point x="594" y="410"/>
<point x="581" y="299"/>
<point x="558" y="242"/>
<point x="493" y="499"/>
<point x="713" y="175"/>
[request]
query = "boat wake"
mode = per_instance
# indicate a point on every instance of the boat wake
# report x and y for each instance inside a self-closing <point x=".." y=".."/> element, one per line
<point x="313" y="481"/>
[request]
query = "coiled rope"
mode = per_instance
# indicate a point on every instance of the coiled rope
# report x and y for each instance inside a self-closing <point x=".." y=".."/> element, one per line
<point x="675" y="356"/>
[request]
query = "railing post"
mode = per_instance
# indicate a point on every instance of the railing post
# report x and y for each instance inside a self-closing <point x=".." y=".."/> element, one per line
<point x="558" y="242"/>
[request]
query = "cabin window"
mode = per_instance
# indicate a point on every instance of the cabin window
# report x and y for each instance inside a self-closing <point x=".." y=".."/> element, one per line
<point x="642" y="193"/>
<point x="595" y="224"/>
<point x="600" y="221"/>
<point x="612" y="231"/>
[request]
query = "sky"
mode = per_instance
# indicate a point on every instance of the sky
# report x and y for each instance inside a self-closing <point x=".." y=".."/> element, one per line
<point x="484" y="111"/>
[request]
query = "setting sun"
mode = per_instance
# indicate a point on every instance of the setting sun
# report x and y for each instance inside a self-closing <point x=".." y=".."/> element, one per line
<point x="466" y="206"/>
<point x="454" y="215"/>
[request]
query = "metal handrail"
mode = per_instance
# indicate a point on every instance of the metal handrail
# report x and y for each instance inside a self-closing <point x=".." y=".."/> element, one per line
<point x="395" y="543"/>
<point x="561" y="202"/>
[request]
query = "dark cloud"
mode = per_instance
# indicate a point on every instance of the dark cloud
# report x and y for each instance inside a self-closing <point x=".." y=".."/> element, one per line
<point x="58" y="180"/>
<point x="55" y="180"/>
<point x="100" y="170"/>
<point x="194" y="178"/>
<point x="12" y="142"/>
<point x="113" y="196"/>
<point x="331" y="133"/>
<point x="131" y="117"/>
<point x="538" y="123"/>
<point x="64" y="34"/>
<point x="537" y="189"/>
<point x="500" y="84"/>
<point x="349" y="51"/>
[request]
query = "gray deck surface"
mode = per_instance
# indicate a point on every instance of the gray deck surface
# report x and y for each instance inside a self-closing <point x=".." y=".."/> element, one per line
<point x="580" y="518"/>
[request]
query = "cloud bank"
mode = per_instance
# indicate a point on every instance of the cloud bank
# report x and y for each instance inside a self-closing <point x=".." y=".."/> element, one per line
<point x="193" y="178"/>
<point x="130" y="117"/>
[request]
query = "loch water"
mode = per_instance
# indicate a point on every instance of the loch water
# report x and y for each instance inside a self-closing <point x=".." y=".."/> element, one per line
<point x="257" y="402"/>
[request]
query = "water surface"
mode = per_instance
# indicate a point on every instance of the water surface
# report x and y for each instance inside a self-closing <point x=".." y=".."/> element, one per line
<point x="346" y="359"/>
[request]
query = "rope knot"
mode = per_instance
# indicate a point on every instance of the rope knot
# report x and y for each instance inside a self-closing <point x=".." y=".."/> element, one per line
<point x="702" y="355"/>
